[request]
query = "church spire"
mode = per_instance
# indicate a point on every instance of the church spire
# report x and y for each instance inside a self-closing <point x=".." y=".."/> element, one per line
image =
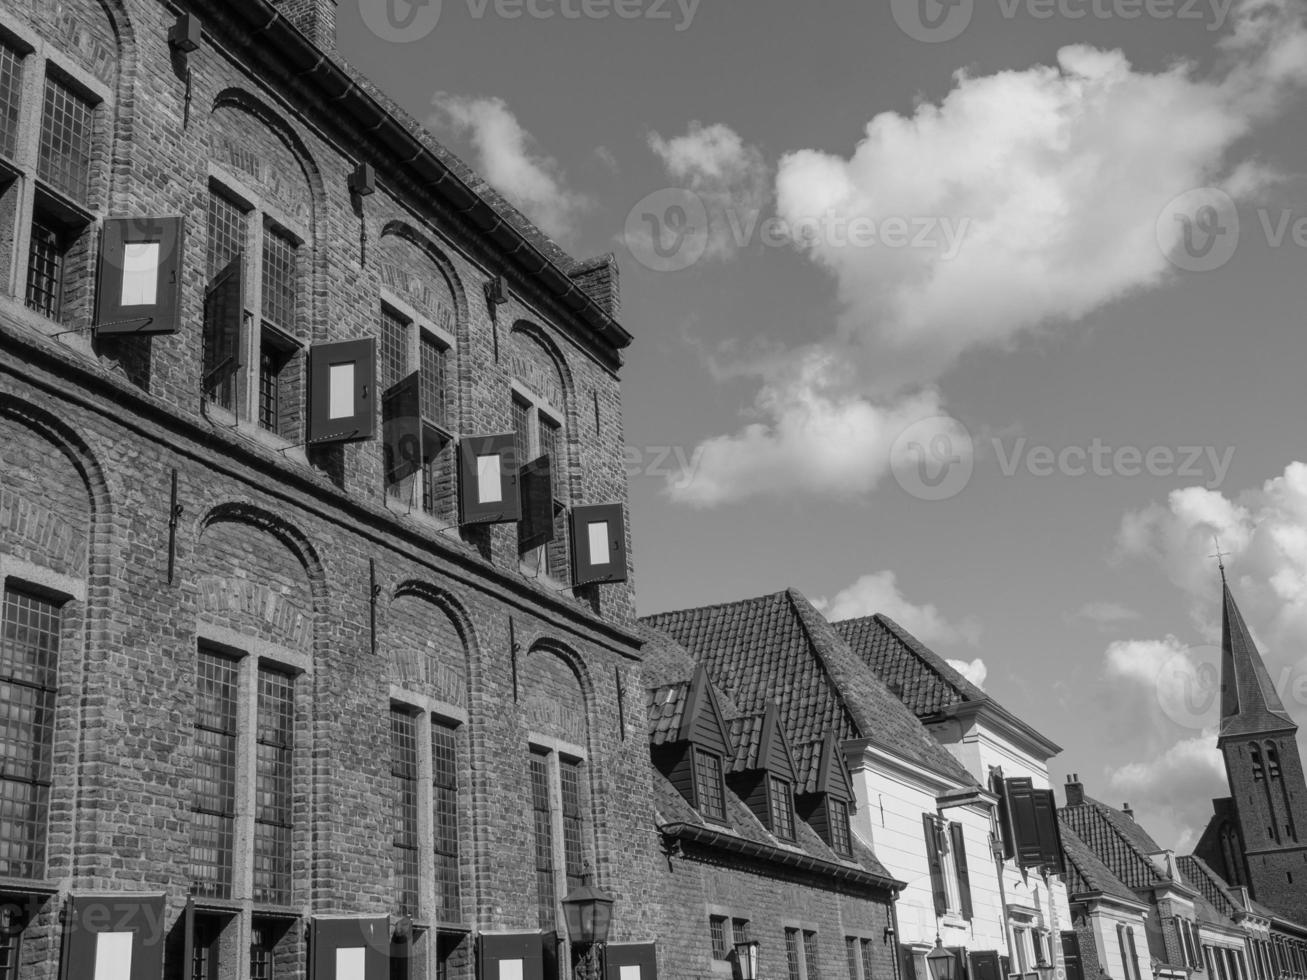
<point x="1249" y="702"/>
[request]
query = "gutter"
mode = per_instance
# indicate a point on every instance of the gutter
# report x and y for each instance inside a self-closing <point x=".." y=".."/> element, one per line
<point x="305" y="60"/>
<point x="732" y="844"/>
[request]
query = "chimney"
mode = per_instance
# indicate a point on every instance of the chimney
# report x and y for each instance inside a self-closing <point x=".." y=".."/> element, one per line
<point x="316" y="19"/>
<point x="1075" y="790"/>
<point x="1125" y="808"/>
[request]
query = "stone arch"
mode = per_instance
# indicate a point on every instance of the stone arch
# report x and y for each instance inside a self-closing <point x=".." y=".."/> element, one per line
<point x="429" y="643"/>
<point x="397" y="231"/>
<point x="532" y="356"/>
<point x="56" y="540"/>
<point x="259" y="574"/>
<point x="557" y="693"/>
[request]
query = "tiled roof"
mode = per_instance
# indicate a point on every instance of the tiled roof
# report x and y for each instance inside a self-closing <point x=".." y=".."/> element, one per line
<point x="1086" y="873"/>
<point x="1116" y="839"/>
<point x="928" y="684"/>
<point x="1223" y="897"/>
<point x="666" y="708"/>
<point x="746" y="734"/>
<point x="779" y="648"/>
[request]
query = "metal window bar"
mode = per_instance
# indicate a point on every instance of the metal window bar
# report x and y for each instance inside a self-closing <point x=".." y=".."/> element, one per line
<point x="782" y="809"/>
<point x="45" y="268"/>
<point x="11" y="93"/>
<point x="404" y="783"/>
<point x="226" y="233"/>
<point x="708" y="785"/>
<point x="279" y="288"/>
<point x="274" y="794"/>
<point x="810" y="955"/>
<point x="444" y="766"/>
<point x="542" y="812"/>
<point x="739" y="931"/>
<point x="213" y="811"/>
<point x="260" y="954"/>
<point x="551" y="446"/>
<point x="851" y="951"/>
<point x="29" y="654"/>
<point x="432" y="388"/>
<point x="9" y="954"/>
<point x="573" y="822"/>
<point x="868" y="972"/>
<point x="67" y="130"/>
<point x="792" y="954"/>
<point x="717" y="929"/>
<point x="392" y="349"/>
<point x="269" y="369"/>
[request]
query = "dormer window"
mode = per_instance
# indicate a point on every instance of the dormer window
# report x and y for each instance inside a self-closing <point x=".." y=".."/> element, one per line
<point x="841" y="840"/>
<point x="709" y="785"/>
<point x="782" y="808"/>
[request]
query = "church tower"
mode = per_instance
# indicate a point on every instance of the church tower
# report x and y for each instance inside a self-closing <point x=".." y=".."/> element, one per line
<point x="1264" y="766"/>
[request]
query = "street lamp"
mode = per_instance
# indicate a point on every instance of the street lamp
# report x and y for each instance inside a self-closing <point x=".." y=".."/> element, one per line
<point x="588" y="912"/>
<point x="746" y="958"/>
<point x="942" y="962"/>
<point x="1046" y="971"/>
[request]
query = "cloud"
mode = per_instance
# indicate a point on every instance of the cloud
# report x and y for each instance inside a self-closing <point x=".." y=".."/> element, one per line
<point x="879" y="593"/>
<point x="1105" y="615"/>
<point x="1055" y="176"/>
<point x="815" y="440"/>
<point x="974" y="671"/>
<point x="1175" y="788"/>
<point x="731" y="177"/>
<point x="508" y="157"/>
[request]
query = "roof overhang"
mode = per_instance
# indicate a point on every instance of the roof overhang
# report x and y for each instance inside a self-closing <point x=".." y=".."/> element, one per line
<point x="1004" y="722"/>
<point x="858" y="750"/>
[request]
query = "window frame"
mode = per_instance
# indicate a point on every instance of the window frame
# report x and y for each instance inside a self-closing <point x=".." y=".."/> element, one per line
<point x="780" y="803"/>
<point x="553" y="753"/>
<point x="550" y="560"/>
<point x="717" y="815"/>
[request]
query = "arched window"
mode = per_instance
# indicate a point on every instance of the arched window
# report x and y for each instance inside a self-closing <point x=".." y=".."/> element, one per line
<point x="1259" y="773"/>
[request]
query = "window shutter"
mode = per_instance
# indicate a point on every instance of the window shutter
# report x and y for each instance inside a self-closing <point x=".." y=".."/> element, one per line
<point x="960" y="861"/>
<point x="1050" y="835"/>
<point x="598" y="544"/>
<point x="224" y="313"/>
<point x="1075" y="969"/>
<point x="986" y="965"/>
<point x="139" y="288"/>
<point x="631" y="961"/>
<point x="401" y="428"/>
<point x="114" y="937"/>
<point x="931" y="828"/>
<point x="537" y="527"/>
<point x="342" y="385"/>
<point x="350" y="948"/>
<point x="1023" y="818"/>
<point x="998" y="788"/>
<point x="488" y="479"/>
<point x="509" y="957"/>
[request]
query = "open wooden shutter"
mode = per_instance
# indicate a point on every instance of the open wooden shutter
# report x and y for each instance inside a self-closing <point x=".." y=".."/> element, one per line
<point x="960" y="862"/>
<point x="224" y="313"/>
<point x="401" y="428"/>
<point x="488" y="490"/>
<point x="537" y="489"/>
<point x="350" y="948"/>
<point x="933" y="856"/>
<point x="139" y="287"/>
<point x="114" y="937"/>
<point x="342" y="391"/>
<point x="631" y="961"/>
<point x="1025" y="821"/>
<point x="598" y="544"/>
<point x="510" y="956"/>
<point x="1050" y="833"/>
<point x="1075" y="969"/>
<point x="986" y="965"/>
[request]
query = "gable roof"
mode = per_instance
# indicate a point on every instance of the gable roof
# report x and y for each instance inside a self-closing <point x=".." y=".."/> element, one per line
<point x="760" y="741"/>
<point x="1224" y="897"/>
<point x="1121" y="844"/>
<point x="779" y="648"/>
<point x="1249" y="702"/>
<point x="1087" y="874"/>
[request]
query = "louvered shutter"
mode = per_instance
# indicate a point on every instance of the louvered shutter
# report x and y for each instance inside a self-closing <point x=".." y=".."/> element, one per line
<point x="342" y="391"/>
<point x="401" y="428"/>
<point x="935" y="859"/>
<point x="536" y="484"/>
<point x="1050" y="835"/>
<point x="139" y="284"/>
<point x="114" y="937"/>
<point x="224" y="313"/>
<point x="1023" y="818"/>
<point x="516" y="956"/>
<point x="1071" y="954"/>
<point x="488" y="488"/>
<point x="960" y="862"/>
<point x="350" y="948"/>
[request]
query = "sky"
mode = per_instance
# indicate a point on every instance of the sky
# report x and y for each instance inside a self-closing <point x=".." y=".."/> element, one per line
<point x="984" y="314"/>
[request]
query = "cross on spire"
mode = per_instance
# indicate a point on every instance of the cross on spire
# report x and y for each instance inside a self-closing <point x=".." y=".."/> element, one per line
<point x="1220" y="557"/>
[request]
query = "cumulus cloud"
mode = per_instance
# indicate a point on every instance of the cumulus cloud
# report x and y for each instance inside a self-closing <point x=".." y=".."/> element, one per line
<point x="510" y="159"/>
<point x="1174" y="789"/>
<point x="973" y="670"/>
<point x="1055" y="175"/>
<point x="879" y="593"/>
<point x="730" y="176"/>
